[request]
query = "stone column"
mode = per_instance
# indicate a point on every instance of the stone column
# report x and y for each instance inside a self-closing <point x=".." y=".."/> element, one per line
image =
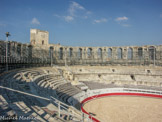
<point x="124" y="52"/>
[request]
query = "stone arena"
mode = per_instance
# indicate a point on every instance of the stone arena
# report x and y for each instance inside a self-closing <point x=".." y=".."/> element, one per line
<point x="126" y="109"/>
<point x="51" y="82"/>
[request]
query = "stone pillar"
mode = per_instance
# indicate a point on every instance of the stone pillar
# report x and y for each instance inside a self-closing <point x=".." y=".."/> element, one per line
<point x="124" y="52"/>
<point x="114" y="53"/>
<point x="135" y="53"/>
<point x="104" y="54"/>
<point x="84" y="53"/>
<point x="95" y="53"/>
<point x="145" y="53"/>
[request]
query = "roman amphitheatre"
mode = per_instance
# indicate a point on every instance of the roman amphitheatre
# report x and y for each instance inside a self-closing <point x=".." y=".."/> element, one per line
<point x="50" y="82"/>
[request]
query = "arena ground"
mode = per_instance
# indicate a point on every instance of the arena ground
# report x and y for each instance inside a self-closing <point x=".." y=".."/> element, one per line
<point x="126" y="109"/>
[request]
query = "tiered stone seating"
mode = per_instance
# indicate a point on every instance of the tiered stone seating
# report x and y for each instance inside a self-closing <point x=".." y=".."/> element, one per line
<point x="27" y="75"/>
<point x="65" y="91"/>
<point x="50" y="81"/>
<point x="96" y="85"/>
<point x="24" y="105"/>
<point x="119" y="75"/>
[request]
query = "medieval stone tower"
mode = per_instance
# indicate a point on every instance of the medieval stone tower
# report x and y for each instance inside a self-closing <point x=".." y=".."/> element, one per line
<point x="39" y="37"/>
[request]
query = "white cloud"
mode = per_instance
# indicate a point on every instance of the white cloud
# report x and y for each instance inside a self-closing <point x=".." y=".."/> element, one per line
<point x="102" y="20"/>
<point x="68" y="18"/>
<point x="74" y="6"/>
<point x="35" y="21"/>
<point x="122" y="21"/>
<point x="124" y="18"/>
<point x="75" y="10"/>
<point x="56" y="15"/>
<point x="88" y="12"/>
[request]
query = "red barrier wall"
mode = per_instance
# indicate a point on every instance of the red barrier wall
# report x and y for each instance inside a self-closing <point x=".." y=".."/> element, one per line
<point x="112" y="94"/>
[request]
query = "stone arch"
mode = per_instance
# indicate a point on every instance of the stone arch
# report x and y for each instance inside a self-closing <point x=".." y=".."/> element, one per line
<point x="70" y="52"/>
<point x="130" y="53"/>
<point x="152" y="52"/>
<point x="14" y="47"/>
<point x="61" y="53"/>
<point x="24" y="50"/>
<point x="140" y="52"/>
<point x="51" y="52"/>
<point x="2" y="48"/>
<point x="100" y="53"/>
<point x="109" y="53"/>
<point x="120" y="54"/>
<point x="80" y="53"/>
<point x="30" y="51"/>
<point x="89" y="52"/>
<point x="19" y="50"/>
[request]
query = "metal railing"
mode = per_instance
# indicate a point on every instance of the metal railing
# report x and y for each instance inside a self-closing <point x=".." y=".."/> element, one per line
<point x="115" y="90"/>
<point x="69" y="110"/>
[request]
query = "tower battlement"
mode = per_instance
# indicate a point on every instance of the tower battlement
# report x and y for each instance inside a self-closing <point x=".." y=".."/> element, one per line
<point x="39" y="37"/>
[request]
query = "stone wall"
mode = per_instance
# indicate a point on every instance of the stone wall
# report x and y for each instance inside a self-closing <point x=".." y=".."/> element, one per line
<point x="109" y="54"/>
<point x="15" y="49"/>
<point x="40" y="51"/>
<point x="79" y="55"/>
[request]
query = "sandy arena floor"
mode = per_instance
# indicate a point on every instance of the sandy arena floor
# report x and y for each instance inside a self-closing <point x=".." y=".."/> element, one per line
<point x="126" y="109"/>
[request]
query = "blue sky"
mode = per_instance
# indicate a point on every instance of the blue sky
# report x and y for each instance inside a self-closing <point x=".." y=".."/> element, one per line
<point x="84" y="22"/>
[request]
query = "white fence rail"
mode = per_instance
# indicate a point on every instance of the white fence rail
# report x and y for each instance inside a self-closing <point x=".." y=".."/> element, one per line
<point x="83" y="95"/>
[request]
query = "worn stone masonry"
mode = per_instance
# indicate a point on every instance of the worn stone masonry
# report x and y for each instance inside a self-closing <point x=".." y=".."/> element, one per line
<point x="40" y="49"/>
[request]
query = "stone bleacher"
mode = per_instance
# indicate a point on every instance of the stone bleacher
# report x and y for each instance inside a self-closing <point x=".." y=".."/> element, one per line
<point x="92" y="85"/>
<point x="50" y="81"/>
<point x="28" y="106"/>
<point x="47" y="82"/>
<point x="150" y="76"/>
<point x="65" y="91"/>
